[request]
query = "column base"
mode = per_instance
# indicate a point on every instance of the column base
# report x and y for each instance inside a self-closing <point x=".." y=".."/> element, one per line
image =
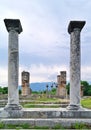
<point x="13" y="107"/>
<point x="74" y="107"/>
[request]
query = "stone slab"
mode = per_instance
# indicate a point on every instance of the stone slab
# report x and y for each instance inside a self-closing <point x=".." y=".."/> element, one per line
<point x="45" y="113"/>
<point x="47" y="122"/>
<point x="55" y="113"/>
<point x="75" y="24"/>
<point x="13" y="23"/>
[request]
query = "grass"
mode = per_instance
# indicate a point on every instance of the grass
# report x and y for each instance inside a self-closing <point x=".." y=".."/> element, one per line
<point x="80" y="126"/>
<point x="86" y="103"/>
<point x="57" y="126"/>
<point x="14" y="126"/>
<point x="39" y="106"/>
<point x="46" y="101"/>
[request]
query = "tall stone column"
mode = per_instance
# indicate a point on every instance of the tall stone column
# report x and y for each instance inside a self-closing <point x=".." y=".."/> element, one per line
<point x="14" y="28"/>
<point x="74" y="30"/>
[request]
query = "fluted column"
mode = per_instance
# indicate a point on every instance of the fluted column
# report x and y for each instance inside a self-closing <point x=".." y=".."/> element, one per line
<point x="14" y="28"/>
<point x="74" y="30"/>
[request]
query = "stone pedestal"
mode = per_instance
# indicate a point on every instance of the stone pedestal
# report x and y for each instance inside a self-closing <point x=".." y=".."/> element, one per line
<point x="14" y="28"/>
<point x="74" y="30"/>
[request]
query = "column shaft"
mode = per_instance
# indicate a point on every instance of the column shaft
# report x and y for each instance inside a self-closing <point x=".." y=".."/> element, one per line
<point x="75" y="67"/>
<point x="13" y="63"/>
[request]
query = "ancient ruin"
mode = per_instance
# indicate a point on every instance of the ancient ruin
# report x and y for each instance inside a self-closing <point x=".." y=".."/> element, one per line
<point x="74" y="113"/>
<point x="25" y="83"/>
<point x="14" y="28"/>
<point x="74" y="30"/>
<point x="82" y="91"/>
<point x="61" y="82"/>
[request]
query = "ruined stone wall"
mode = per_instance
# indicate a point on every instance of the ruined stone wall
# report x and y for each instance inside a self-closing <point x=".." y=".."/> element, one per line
<point x="81" y="92"/>
<point x="61" y="81"/>
<point x="25" y="83"/>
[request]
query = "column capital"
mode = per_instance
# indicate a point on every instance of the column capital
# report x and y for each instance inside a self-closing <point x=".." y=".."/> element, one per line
<point x="75" y="24"/>
<point x="58" y="75"/>
<point x="13" y="24"/>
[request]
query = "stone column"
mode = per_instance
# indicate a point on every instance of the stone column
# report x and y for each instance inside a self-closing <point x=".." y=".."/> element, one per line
<point x="14" y="28"/>
<point x="74" y="30"/>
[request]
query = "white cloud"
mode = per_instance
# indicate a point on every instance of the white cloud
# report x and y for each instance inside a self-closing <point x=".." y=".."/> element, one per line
<point x="3" y="76"/>
<point x="45" y="34"/>
<point x="86" y="73"/>
<point x="42" y="73"/>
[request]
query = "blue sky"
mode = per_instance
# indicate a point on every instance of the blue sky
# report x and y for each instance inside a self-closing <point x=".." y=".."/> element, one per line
<point x="44" y="44"/>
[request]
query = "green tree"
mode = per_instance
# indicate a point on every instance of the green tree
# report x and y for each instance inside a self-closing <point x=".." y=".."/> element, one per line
<point x="1" y="90"/>
<point x="53" y="91"/>
<point x="86" y="88"/>
<point x="19" y="91"/>
<point x="5" y="90"/>
<point x="68" y="88"/>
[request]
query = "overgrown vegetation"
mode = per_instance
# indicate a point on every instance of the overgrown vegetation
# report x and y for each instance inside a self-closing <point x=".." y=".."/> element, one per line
<point x="86" y="88"/>
<point x="80" y="126"/>
<point x="40" y="106"/>
<point x="14" y="126"/>
<point x="42" y="101"/>
<point x="86" y="102"/>
<point x="57" y="126"/>
<point x="46" y="99"/>
<point x="3" y="90"/>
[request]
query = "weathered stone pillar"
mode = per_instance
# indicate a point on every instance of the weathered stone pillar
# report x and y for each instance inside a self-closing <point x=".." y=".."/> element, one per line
<point x="63" y="77"/>
<point x="25" y="83"/>
<point x="74" y="30"/>
<point x="61" y="81"/>
<point x="82" y="90"/>
<point x="14" y="28"/>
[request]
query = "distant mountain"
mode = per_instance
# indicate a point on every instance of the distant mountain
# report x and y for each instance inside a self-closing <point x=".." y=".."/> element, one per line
<point x="40" y="86"/>
<point x="89" y="83"/>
